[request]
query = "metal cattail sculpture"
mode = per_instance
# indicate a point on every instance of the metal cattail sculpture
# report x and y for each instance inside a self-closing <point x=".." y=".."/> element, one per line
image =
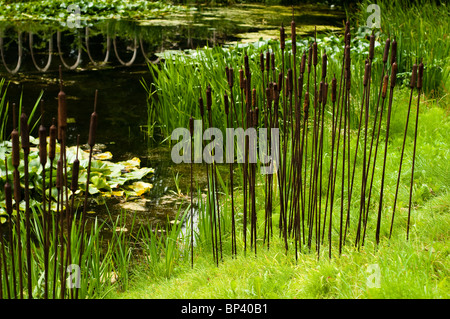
<point x="43" y="161"/>
<point x="294" y="57"/>
<point x="305" y="114"/>
<point x="265" y="67"/>
<point x="282" y="175"/>
<point x="62" y="108"/>
<point x="9" y="211"/>
<point x="302" y="170"/>
<point x="261" y="65"/>
<point x="191" y="131"/>
<point x="363" y="110"/>
<point x="251" y="118"/>
<point x="26" y="152"/>
<point x="412" y="85"/>
<point x="419" y="88"/>
<point x="212" y="187"/>
<point x="269" y="178"/>
<point x="53" y="131"/>
<point x="228" y="113"/>
<point x="313" y="166"/>
<point x="17" y="196"/>
<point x="377" y="109"/>
<point x="338" y="114"/>
<point x="64" y="201"/>
<point x="230" y="80"/>
<point x="345" y="111"/>
<point x="291" y="88"/>
<point x="282" y="45"/>
<point x="58" y="185"/>
<point x="69" y="217"/>
<point x="391" y="93"/>
<point x="253" y="123"/>
<point x="211" y="219"/>
<point x="61" y="254"/>
<point x="331" y="174"/>
<point x="386" y="50"/>
<point x="323" y="96"/>
<point x="366" y="126"/>
<point x="91" y="142"/>
<point x="348" y="91"/>
<point x="383" y="95"/>
<point x="243" y="86"/>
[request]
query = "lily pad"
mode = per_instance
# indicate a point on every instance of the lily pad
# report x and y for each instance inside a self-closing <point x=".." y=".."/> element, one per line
<point x="103" y="156"/>
<point x="106" y="178"/>
<point x="141" y="187"/>
<point x="139" y="173"/>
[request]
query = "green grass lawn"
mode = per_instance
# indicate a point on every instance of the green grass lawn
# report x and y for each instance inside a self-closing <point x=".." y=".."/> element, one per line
<point x="418" y="268"/>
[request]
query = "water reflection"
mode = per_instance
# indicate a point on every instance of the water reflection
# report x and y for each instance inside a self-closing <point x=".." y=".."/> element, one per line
<point x="28" y="46"/>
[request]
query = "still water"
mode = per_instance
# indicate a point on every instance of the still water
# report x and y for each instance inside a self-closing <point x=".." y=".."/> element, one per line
<point x="112" y="56"/>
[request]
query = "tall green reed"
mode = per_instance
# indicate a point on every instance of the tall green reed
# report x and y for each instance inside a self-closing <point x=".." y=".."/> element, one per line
<point x="168" y="246"/>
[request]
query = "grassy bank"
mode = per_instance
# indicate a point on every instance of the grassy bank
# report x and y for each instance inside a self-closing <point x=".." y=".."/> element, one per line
<point x="422" y="29"/>
<point x="417" y="268"/>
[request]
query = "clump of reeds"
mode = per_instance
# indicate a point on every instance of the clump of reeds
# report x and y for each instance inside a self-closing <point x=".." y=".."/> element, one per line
<point x="56" y="242"/>
<point x="293" y="96"/>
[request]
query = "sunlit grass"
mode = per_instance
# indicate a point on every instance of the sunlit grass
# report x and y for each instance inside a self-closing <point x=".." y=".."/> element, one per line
<point x="417" y="268"/>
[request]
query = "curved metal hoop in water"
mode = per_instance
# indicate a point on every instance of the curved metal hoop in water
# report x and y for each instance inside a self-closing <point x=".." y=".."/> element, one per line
<point x="19" y="51"/>
<point x="145" y="54"/>
<point x="77" y="62"/>
<point x="132" y="58"/>
<point x="50" y="51"/>
<point x="108" y="45"/>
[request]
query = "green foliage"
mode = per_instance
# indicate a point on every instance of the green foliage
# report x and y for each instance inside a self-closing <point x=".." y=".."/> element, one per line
<point x="184" y="75"/>
<point x="5" y="116"/>
<point x="165" y="248"/>
<point x="95" y="265"/>
<point x="107" y="178"/>
<point x="422" y="30"/>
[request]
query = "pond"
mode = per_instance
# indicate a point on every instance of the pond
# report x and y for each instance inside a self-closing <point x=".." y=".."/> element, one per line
<point x="127" y="47"/>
